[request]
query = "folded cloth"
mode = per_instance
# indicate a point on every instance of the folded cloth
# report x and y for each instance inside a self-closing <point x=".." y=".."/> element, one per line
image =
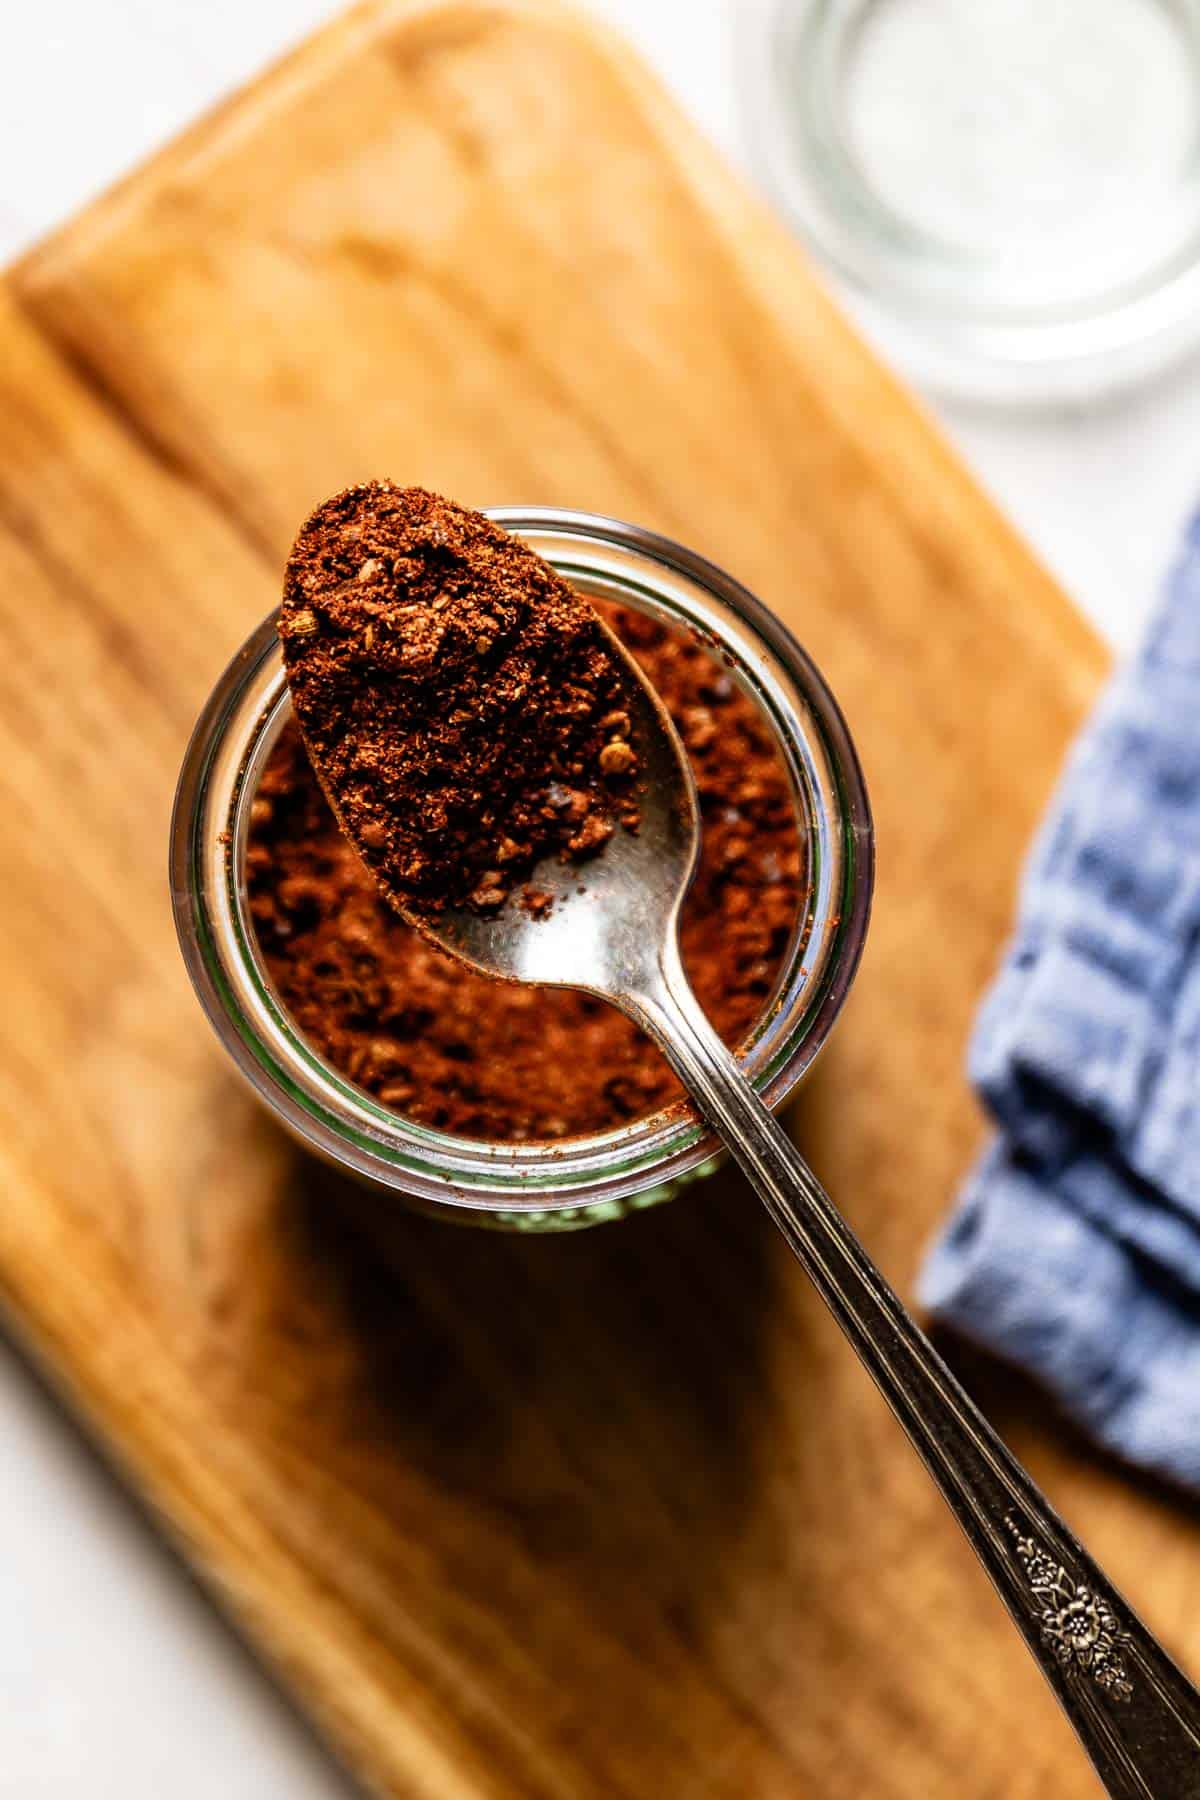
<point x="1075" y="1249"/>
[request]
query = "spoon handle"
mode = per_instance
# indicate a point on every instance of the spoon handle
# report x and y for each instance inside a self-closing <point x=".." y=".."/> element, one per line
<point x="1136" y="1713"/>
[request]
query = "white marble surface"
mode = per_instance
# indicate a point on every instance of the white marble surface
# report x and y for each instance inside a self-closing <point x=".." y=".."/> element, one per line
<point x="115" y="1676"/>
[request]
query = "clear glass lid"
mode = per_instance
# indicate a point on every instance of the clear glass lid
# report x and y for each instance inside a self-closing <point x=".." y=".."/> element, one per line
<point x="1010" y="187"/>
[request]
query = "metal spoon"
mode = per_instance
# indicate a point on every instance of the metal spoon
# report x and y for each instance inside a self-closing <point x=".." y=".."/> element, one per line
<point x="613" y="932"/>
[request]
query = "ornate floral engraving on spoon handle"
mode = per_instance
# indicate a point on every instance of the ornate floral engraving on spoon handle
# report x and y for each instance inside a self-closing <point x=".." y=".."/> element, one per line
<point x="1077" y="1624"/>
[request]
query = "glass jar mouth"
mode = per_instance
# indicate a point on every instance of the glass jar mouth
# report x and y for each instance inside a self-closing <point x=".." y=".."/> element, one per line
<point x="519" y="1182"/>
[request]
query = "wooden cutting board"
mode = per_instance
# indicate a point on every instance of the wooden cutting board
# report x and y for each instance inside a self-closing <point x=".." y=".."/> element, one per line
<point x="613" y="1515"/>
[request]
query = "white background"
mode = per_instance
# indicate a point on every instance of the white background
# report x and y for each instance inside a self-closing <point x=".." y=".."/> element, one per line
<point x="115" y="1677"/>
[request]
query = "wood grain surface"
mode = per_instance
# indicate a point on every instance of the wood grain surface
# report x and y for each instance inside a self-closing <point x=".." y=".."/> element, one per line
<point x="611" y="1515"/>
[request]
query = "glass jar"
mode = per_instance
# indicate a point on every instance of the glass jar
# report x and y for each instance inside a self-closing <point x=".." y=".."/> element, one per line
<point x="536" y="1186"/>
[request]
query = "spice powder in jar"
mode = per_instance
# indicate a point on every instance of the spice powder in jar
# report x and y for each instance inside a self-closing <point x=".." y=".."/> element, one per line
<point x="498" y="1061"/>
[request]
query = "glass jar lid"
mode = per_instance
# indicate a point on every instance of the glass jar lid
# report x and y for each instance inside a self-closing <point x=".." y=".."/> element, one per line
<point x="1010" y="188"/>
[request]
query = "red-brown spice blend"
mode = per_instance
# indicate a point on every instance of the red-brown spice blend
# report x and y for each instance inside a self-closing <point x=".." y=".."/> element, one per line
<point x="497" y="1061"/>
<point x="463" y="704"/>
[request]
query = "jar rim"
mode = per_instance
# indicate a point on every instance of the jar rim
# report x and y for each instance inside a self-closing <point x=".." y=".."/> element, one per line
<point x="604" y="1172"/>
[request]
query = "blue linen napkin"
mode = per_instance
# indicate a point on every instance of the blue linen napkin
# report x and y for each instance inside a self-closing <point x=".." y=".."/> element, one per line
<point x="1075" y="1249"/>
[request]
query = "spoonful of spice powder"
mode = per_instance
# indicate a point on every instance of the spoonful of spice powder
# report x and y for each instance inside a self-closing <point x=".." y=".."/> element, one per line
<point x="464" y="708"/>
